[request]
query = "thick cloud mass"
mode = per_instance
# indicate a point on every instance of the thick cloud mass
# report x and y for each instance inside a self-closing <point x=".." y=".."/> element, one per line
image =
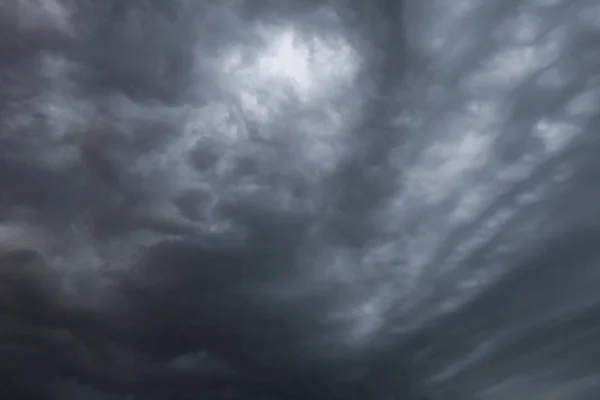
<point x="299" y="199"/>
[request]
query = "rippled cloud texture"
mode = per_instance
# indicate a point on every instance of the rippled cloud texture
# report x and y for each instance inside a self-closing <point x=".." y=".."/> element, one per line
<point x="299" y="199"/>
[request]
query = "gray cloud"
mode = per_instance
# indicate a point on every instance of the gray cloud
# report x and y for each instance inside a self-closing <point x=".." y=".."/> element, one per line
<point x="310" y="199"/>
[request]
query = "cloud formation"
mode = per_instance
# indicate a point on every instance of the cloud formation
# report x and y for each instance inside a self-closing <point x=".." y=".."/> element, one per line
<point x="312" y="199"/>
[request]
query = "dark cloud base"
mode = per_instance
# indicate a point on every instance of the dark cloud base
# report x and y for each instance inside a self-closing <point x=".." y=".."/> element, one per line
<point x="161" y="238"/>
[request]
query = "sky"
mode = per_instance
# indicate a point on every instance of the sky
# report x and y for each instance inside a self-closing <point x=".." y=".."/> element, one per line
<point x="301" y="199"/>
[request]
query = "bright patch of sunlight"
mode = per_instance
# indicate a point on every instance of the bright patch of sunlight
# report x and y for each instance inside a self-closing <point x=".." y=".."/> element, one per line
<point x="288" y="68"/>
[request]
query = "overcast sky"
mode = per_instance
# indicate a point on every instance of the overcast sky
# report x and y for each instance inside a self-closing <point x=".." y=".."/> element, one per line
<point x="299" y="198"/>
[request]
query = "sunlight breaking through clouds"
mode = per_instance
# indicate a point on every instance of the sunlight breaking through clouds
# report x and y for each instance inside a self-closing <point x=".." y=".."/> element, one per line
<point x="290" y="66"/>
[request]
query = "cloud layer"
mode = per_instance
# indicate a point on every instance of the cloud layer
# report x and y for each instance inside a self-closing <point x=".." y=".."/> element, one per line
<point x="312" y="199"/>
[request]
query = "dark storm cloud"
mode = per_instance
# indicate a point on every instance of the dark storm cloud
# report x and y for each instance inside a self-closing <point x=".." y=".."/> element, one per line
<point x="90" y="127"/>
<point x="183" y="215"/>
